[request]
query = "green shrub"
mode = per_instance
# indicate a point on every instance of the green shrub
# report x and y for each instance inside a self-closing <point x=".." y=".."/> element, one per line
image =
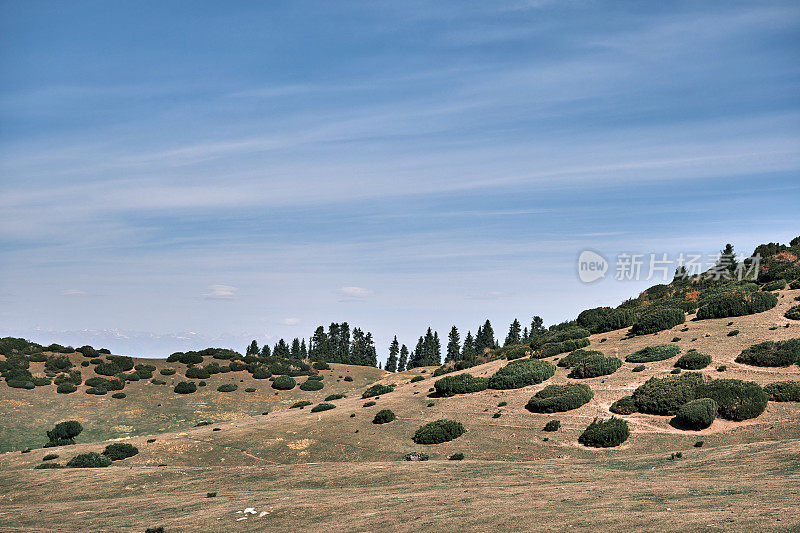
<point x="737" y="399"/>
<point x="311" y="385"/>
<point x="693" y="360"/>
<point x="416" y="456"/>
<point x="155" y="381"/>
<point x="120" y="450"/>
<point x="722" y="368"/>
<point x="594" y="366"/>
<point x="664" y="396"/>
<point x="369" y="404"/>
<point x="185" y="387"/>
<point x="605" y="433"/>
<point x="50" y="457"/>
<point x="87" y="351"/>
<point x="384" y="416"/>
<point x="158" y="529"/>
<point x="196" y="372"/>
<point x="783" y="391"/>
<point x="97" y="391"/>
<point x="65" y="432"/>
<point x="332" y="397"/>
<point x="696" y="415"/>
<point x="66" y="388"/>
<point x="227" y="387"/>
<point x="262" y="373"/>
<point x="321" y="365"/>
<point x="459" y="384"/>
<point x="576" y="357"/>
<point x="733" y="333"/>
<point x="675" y="371"/>
<point x="250" y="389"/>
<point x="521" y="373"/>
<point x="316" y="377"/>
<point x="284" y="383"/>
<point x="737" y="304"/>
<point x="774" y="285"/>
<point x="638" y="368"/>
<point x="551" y="349"/>
<point x="793" y="313"/>
<point x="438" y="431"/>
<point x="322" y="407"/>
<point x="603" y="319"/>
<point x="89" y="460"/>
<point x="558" y="398"/>
<point x="416" y="379"/>
<point x="96" y="361"/>
<point x="552" y="425"/>
<point x="456" y="457"/>
<point x="649" y="354"/>
<point x="657" y="320"/>
<point x="119" y="395"/>
<point x="771" y="353"/>
<point x="348" y="378"/>
<point x="37" y="358"/>
<point x="624" y="406"/>
<point x="300" y="404"/>
<point x="58" y="363"/>
<point x="167" y="371"/>
<point x="377" y="390"/>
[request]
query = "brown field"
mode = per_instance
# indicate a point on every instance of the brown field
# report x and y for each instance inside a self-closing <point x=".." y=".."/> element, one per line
<point x="336" y="472"/>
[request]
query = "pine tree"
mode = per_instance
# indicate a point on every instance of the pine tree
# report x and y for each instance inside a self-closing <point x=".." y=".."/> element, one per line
<point x="303" y="350"/>
<point x="281" y="350"/>
<point x="318" y="346"/>
<point x="265" y="351"/>
<point x="537" y="329"/>
<point x="453" y="346"/>
<point x="485" y="338"/>
<point x="468" y="351"/>
<point x="513" y="336"/>
<point x="252" y="349"/>
<point x="295" y="351"/>
<point x="371" y="354"/>
<point x="394" y="350"/>
<point x="728" y="258"/>
<point x="401" y="364"/>
<point x="343" y="349"/>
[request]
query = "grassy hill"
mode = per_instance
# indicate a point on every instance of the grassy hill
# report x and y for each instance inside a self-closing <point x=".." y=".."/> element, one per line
<point x="338" y="470"/>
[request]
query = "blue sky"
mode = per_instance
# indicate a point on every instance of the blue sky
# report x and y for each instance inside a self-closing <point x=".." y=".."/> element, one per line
<point x="184" y="174"/>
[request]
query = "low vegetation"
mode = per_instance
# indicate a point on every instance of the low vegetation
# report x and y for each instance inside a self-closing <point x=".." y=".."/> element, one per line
<point x="558" y="398"/>
<point x="658" y="320"/>
<point x="521" y="373"/>
<point x="594" y="366"/>
<point x="438" y="431"/>
<point x="783" y="391"/>
<point x="89" y="460"/>
<point x="737" y="399"/>
<point x="605" y="433"/>
<point x="623" y="406"/>
<point x="696" y="415"/>
<point x="772" y="354"/>
<point x="459" y="384"/>
<point x="649" y="354"/>
<point x="384" y="416"/>
<point x="322" y="407"/>
<point x="693" y="360"/>
<point x="737" y="304"/>
<point x="377" y="390"/>
<point x="664" y="396"/>
<point x="120" y="450"/>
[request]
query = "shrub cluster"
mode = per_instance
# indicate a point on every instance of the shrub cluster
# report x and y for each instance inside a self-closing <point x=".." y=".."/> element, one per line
<point x="438" y="431"/>
<point x="459" y="384"/>
<point x="575" y="357"/>
<point x="316" y="377"/>
<point x="550" y="349"/>
<point x="605" y="433"/>
<point x="783" y="391"/>
<point x="638" y="368"/>
<point x="456" y="457"/>
<point x="227" y="387"/>
<point x="66" y="388"/>
<point x="737" y="304"/>
<point x="774" y="285"/>
<point x="311" y="385"/>
<point x="696" y="415"/>
<point x="89" y="460"/>
<point x="64" y="433"/>
<point x="557" y="398"/>
<point x="623" y="406"/>
<point x="793" y="313"/>
<point x="377" y="390"/>
<point x="552" y="425"/>
<point x="593" y="366"/>
<point x="120" y="450"/>
<point x="186" y="387"/>
<point x="737" y="399"/>
<point x="603" y="319"/>
<point x="384" y="416"/>
<point x="332" y="397"/>
<point x="771" y="353"/>
<point x="657" y="320"/>
<point x="521" y="373"/>
<point x="300" y="404"/>
<point x="284" y="383"/>
<point x="649" y="354"/>
<point x="693" y="360"/>
<point x="664" y="396"/>
<point x="322" y="407"/>
<point x="321" y="365"/>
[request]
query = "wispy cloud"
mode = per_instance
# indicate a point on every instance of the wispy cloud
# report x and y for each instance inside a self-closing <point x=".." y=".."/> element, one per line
<point x="354" y="293"/>
<point x="291" y="321"/>
<point x="221" y="292"/>
<point x="73" y="292"/>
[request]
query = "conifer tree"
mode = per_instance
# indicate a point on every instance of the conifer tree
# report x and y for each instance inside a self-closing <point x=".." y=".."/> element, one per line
<point x="453" y="346"/>
<point x="468" y="351"/>
<point x="513" y="336"/>
<point x="265" y="351"/>
<point x="281" y="349"/>
<point x="318" y="345"/>
<point x="303" y="350"/>
<point x="252" y="349"/>
<point x="394" y="350"/>
<point x="403" y="361"/>
<point x="295" y="350"/>
<point x="485" y="338"/>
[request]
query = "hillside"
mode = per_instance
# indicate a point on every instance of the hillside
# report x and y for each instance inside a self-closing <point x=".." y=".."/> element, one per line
<point x="339" y="470"/>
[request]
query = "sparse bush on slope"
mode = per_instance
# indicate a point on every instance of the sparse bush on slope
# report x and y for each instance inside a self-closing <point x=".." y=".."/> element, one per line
<point x="438" y="432"/>
<point x="64" y="433"/>
<point x="594" y="366"/>
<point x="573" y="358"/>
<point x="120" y="450"/>
<point x="336" y="396"/>
<point x="558" y="398"/>
<point x="459" y="384"/>
<point x="521" y="373"/>
<point x="603" y="319"/>
<point x="737" y="399"/>
<point x="693" y="360"/>
<point x="605" y="433"/>
<point x="793" y="313"/>
<point x="774" y="285"/>
<point x="89" y="460"/>
<point x="322" y="407"/>
<point x="552" y="425"/>
<point x="658" y="320"/>
<point x="737" y="304"/>
<point x="377" y="390"/>
<point x="623" y="406"/>
<point x="284" y="383"/>
<point x="649" y="354"/>
<point x="771" y="353"/>
<point x="664" y="396"/>
<point x="186" y="387"/>
<point x="783" y="391"/>
<point x="321" y="365"/>
<point x="384" y="416"/>
<point x="311" y="385"/>
<point x="227" y="387"/>
<point x="697" y="414"/>
<point x="551" y="349"/>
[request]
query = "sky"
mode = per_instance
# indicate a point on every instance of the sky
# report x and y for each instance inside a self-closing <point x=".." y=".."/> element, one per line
<point x="176" y="175"/>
